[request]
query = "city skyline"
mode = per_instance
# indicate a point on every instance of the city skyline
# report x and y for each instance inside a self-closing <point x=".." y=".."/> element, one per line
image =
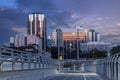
<point x="103" y="16"/>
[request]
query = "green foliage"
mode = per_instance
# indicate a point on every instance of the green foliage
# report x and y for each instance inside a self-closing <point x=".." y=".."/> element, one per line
<point x="94" y="54"/>
<point x="54" y="52"/>
<point x="115" y="50"/>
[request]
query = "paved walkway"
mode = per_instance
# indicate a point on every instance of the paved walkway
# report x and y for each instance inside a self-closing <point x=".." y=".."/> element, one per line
<point x="76" y="76"/>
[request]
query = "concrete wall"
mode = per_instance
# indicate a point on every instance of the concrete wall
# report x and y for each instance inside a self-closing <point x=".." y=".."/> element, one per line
<point x="27" y="74"/>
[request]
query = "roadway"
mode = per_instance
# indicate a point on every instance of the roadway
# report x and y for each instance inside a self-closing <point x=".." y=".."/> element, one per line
<point x="76" y="76"/>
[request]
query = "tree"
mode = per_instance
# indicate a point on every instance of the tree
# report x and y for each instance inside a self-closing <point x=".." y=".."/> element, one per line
<point x="54" y="52"/>
<point x="115" y="50"/>
<point x="94" y="54"/>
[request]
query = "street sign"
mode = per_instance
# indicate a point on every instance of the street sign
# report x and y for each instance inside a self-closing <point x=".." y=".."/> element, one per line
<point x="60" y="58"/>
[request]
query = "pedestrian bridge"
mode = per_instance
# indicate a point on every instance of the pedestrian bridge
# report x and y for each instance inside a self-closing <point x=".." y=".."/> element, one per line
<point x="19" y="65"/>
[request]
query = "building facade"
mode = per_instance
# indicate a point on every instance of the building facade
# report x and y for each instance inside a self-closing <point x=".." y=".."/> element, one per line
<point x="37" y="27"/>
<point x="100" y="46"/>
<point x="57" y="36"/>
<point x="70" y="37"/>
<point x="49" y="42"/>
<point x="91" y="35"/>
<point x="20" y="40"/>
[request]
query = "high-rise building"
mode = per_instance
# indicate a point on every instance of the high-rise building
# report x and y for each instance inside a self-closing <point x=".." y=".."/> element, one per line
<point x="91" y="35"/>
<point x="37" y="26"/>
<point x="57" y="36"/>
<point x="70" y="37"/>
<point x="86" y="35"/>
<point x="97" y="37"/>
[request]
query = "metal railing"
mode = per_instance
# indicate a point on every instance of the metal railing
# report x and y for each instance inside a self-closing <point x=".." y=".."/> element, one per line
<point x="109" y="67"/>
<point x="11" y="59"/>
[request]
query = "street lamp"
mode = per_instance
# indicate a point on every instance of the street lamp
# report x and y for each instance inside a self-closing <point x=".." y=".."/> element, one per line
<point x="70" y="49"/>
<point x="78" y="28"/>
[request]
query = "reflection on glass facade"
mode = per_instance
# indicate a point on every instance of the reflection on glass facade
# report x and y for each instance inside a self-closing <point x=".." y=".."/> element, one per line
<point x="70" y="39"/>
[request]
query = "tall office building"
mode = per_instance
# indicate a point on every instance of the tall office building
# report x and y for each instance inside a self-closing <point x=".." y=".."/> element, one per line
<point x="37" y="26"/>
<point x="97" y="37"/>
<point x="86" y="35"/>
<point x="91" y="35"/>
<point x="57" y="36"/>
<point x="70" y="38"/>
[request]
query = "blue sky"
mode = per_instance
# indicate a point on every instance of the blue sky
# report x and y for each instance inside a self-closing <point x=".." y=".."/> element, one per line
<point x="101" y="15"/>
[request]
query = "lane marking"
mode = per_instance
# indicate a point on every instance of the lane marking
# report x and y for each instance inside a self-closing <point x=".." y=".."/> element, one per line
<point x="84" y="77"/>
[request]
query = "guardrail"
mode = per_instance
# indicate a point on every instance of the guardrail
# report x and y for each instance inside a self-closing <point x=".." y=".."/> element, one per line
<point x="109" y="67"/>
<point x="11" y="59"/>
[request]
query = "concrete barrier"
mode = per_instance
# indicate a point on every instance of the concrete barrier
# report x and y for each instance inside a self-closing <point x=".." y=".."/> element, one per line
<point x="27" y="74"/>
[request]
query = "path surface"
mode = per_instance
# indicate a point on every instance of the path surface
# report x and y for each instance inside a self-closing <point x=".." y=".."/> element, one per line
<point x="76" y="76"/>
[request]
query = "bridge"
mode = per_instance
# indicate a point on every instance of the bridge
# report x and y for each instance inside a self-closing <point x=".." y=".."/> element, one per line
<point x="20" y="65"/>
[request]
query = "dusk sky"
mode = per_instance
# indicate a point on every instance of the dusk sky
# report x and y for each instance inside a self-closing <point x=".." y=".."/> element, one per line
<point x="101" y="15"/>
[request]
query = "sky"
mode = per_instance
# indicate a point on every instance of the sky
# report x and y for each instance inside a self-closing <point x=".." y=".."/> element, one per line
<point x="101" y="15"/>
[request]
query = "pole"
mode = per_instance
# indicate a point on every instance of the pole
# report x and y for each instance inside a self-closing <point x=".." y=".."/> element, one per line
<point x="77" y="43"/>
<point x="70" y="49"/>
<point x="63" y="50"/>
<point x="58" y="41"/>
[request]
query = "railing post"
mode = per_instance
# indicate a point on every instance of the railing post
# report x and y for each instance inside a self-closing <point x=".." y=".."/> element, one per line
<point x="0" y="61"/>
<point x="21" y="59"/>
<point x="13" y="65"/>
<point x="13" y="60"/>
<point x="119" y="68"/>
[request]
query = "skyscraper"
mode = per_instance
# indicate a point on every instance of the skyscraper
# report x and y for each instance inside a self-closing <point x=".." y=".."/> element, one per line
<point x="97" y="36"/>
<point x="91" y="35"/>
<point x="37" y="26"/>
<point x="57" y="35"/>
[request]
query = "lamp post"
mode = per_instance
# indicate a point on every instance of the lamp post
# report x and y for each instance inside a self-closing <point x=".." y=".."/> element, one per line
<point x="70" y="49"/>
<point x="78" y="45"/>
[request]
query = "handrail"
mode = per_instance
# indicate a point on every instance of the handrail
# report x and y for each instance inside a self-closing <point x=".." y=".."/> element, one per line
<point x="14" y="58"/>
<point x="111" y="67"/>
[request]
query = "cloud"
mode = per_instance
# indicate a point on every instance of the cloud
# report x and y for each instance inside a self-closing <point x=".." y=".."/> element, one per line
<point x="66" y="13"/>
<point x="8" y="18"/>
<point x="113" y="38"/>
<point x="99" y="19"/>
<point x="118" y="24"/>
<point x="20" y="29"/>
<point x="35" y="5"/>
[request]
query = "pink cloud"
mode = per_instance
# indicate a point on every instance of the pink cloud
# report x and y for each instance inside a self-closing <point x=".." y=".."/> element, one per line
<point x="19" y="29"/>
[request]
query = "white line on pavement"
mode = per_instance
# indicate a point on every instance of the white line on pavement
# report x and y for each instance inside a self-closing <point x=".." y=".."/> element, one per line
<point x="84" y="77"/>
